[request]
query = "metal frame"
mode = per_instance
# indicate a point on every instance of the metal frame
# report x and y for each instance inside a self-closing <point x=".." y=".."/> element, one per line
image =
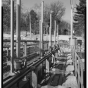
<point x="24" y="72"/>
<point x="18" y="77"/>
<point x="18" y="12"/>
<point x="12" y="37"/>
<point x="50" y="30"/>
<point x="57" y="35"/>
<point x="55" y="32"/>
<point x="41" y="29"/>
<point x="78" y="68"/>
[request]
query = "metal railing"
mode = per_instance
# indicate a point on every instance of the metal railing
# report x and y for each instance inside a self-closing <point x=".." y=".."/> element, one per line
<point x="78" y="64"/>
<point x="29" y="53"/>
<point x="17" y="78"/>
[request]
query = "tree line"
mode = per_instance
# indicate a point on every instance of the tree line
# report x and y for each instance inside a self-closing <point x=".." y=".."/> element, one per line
<point x="34" y="16"/>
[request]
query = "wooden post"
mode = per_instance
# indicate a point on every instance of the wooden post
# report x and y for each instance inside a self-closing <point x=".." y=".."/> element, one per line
<point x="18" y="11"/>
<point x="12" y="38"/>
<point x="55" y="32"/>
<point x="41" y="29"/>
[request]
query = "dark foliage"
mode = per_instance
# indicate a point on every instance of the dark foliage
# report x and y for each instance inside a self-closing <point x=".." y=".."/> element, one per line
<point x="80" y="17"/>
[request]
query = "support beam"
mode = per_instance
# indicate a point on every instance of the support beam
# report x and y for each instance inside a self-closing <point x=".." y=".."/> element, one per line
<point x="25" y="48"/>
<point x="7" y="49"/>
<point x="33" y="79"/>
<point x="12" y="37"/>
<point x="75" y="65"/>
<point x="41" y="30"/>
<point x="50" y="29"/>
<point x="39" y="73"/>
<point x="25" y="60"/>
<point x="55" y="32"/>
<point x="57" y="35"/>
<point x="47" y="66"/>
<point x="42" y="8"/>
<point x="18" y="11"/>
<point x="25" y="54"/>
<point x="81" y="74"/>
<point x="30" y="26"/>
<point x="53" y="58"/>
<point x="71" y="2"/>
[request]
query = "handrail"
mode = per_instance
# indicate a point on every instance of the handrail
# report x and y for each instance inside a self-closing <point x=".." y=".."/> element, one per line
<point x="8" y="46"/>
<point x="79" y="70"/>
<point x="8" y="40"/>
<point x="36" y="53"/>
<point x="29" y="55"/>
<point x="19" y="76"/>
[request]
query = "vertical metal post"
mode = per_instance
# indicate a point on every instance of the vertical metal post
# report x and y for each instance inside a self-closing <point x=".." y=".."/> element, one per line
<point x="55" y="32"/>
<point x="50" y="42"/>
<point x="45" y="31"/>
<point x="30" y="26"/>
<point x="41" y="29"/>
<point x="47" y="66"/>
<point x="80" y="48"/>
<point x="75" y="65"/>
<point x="57" y="35"/>
<point x="78" y="72"/>
<point x="25" y="59"/>
<point x="82" y="75"/>
<point x="25" y="53"/>
<point x="42" y="7"/>
<point x="41" y="32"/>
<point x="8" y="52"/>
<point x="12" y="37"/>
<point x="34" y="79"/>
<point x="71" y="22"/>
<point x="25" y="49"/>
<point x="18" y="28"/>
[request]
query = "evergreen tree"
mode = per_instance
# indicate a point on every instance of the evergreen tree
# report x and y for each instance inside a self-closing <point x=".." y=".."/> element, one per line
<point x="34" y="21"/>
<point x="80" y="17"/>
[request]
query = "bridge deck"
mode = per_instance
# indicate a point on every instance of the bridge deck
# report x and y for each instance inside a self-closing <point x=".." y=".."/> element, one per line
<point x="62" y="74"/>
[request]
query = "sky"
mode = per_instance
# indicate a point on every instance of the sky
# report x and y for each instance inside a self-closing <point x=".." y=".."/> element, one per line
<point x="28" y="4"/>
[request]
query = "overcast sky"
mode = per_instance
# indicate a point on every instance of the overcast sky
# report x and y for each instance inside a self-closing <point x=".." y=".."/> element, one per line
<point x="28" y="4"/>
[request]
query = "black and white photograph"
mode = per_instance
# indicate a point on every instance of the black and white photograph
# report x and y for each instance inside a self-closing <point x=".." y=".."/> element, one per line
<point x="43" y="43"/>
